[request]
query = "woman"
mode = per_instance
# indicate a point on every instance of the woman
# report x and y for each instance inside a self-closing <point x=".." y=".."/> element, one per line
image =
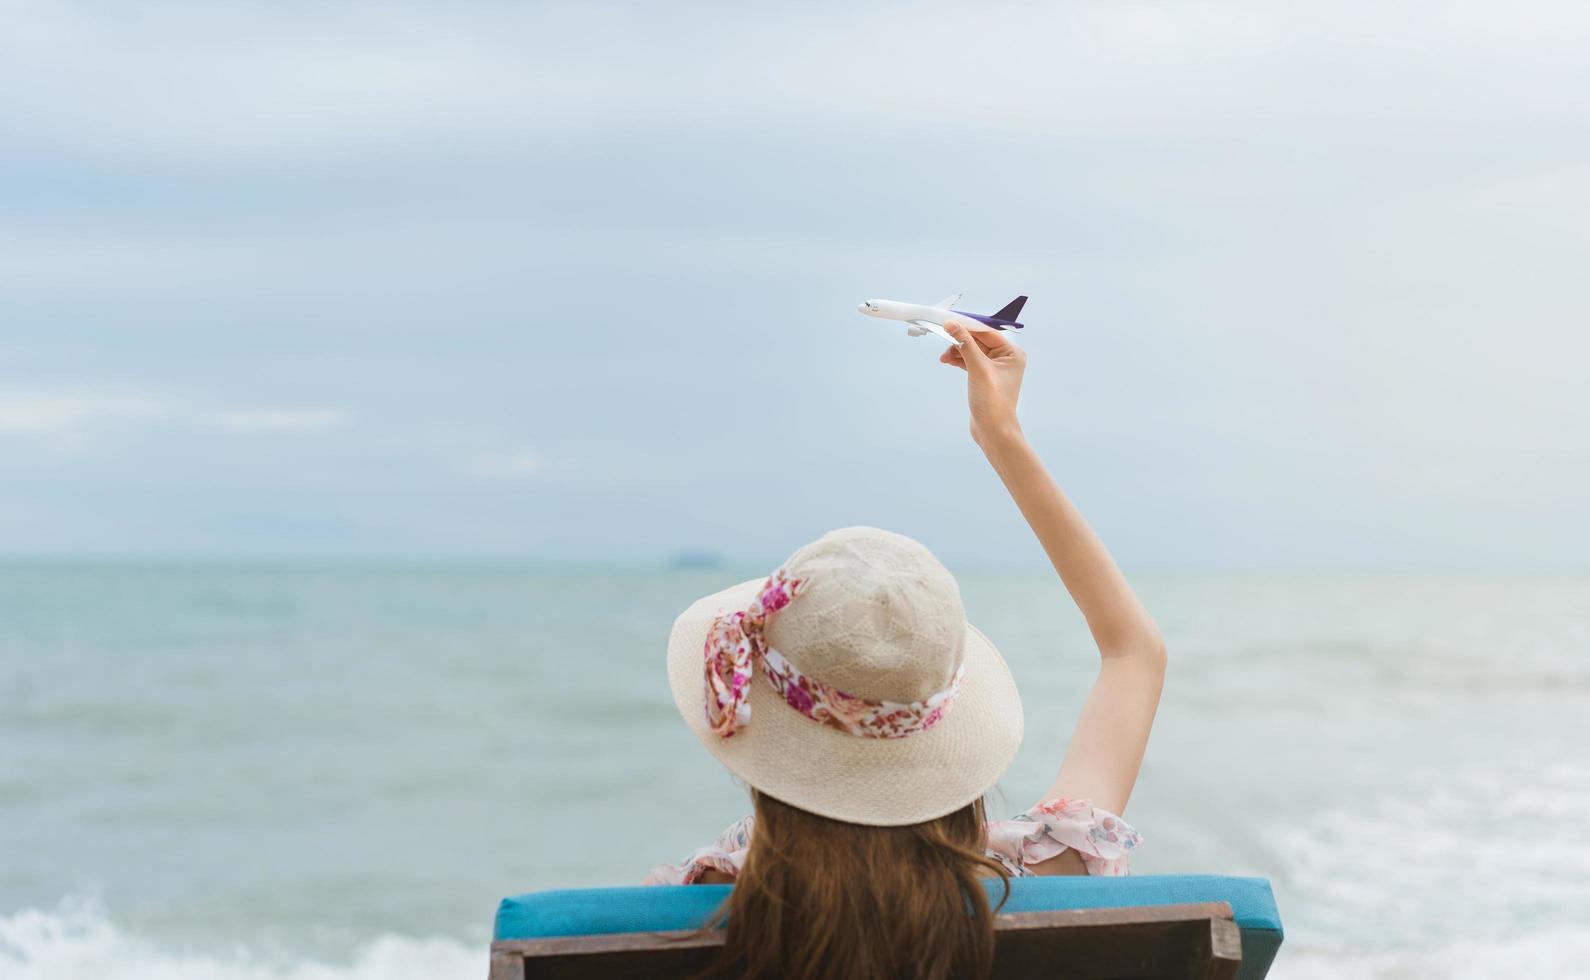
<point x="869" y="718"/>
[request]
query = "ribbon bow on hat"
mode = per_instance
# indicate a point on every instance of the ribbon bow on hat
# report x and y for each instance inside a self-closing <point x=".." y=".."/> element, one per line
<point x="734" y="644"/>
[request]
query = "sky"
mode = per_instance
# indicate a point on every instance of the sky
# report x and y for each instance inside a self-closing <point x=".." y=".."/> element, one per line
<point x="578" y="282"/>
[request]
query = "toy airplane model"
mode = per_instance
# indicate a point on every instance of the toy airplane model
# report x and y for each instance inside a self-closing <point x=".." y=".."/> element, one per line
<point x="931" y="319"/>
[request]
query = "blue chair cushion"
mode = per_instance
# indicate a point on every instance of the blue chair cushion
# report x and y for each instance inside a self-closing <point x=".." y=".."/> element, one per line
<point x="589" y="911"/>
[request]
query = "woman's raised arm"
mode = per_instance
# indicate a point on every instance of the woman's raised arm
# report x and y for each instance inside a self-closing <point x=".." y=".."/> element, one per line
<point x="1106" y="748"/>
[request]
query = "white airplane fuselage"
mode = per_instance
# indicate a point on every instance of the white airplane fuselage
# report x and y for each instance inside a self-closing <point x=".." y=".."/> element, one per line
<point x="888" y="309"/>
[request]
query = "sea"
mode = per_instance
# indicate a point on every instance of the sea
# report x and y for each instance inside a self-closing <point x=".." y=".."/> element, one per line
<point x="335" y="771"/>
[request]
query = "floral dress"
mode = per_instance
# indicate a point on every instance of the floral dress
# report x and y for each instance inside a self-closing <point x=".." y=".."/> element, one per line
<point x="1103" y="840"/>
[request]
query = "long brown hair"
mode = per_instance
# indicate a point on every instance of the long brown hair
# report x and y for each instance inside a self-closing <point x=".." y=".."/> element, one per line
<point x="821" y="899"/>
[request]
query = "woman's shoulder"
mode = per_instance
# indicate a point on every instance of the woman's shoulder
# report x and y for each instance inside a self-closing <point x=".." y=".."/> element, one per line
<point x="1100" y="838"/>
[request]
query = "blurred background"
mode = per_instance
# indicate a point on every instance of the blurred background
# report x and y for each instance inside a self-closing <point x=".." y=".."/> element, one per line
<point x="377" y="381"/>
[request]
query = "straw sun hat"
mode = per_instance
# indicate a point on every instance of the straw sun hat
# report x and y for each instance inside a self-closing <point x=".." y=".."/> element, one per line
<point x="849" y="683"/>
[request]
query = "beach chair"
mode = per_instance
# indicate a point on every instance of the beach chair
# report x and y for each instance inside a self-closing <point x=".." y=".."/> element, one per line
<point x="1168" y="926"/>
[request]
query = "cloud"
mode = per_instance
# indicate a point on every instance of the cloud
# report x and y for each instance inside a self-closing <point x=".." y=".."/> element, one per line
<point x="1325" y="255"/>
<point x="282" y="83"/>
<point x="60" y="413"/>
<point x="63" y="413"/>
<point x="514" y="464"/>
<point x="278" y="84"/>
<point x="282" y="420"/>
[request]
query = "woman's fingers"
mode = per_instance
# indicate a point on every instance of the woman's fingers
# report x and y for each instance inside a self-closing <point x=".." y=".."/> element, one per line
<point x="982" y="344"/>
<point x="995" y="343"/>
<point x="978" y="347"/>
<point x="971" y="352"/>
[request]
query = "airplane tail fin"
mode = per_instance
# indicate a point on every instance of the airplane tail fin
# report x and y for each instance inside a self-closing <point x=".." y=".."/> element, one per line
<point x="1012" y="309"/>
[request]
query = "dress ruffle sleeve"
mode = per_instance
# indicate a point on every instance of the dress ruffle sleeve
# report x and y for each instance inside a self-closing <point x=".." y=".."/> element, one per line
<point x="726" y="854"/>
<point x="1103" y="840"/>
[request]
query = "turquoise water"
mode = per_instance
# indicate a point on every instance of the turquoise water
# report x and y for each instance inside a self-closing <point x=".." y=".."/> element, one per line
<point x="335" y="771"/>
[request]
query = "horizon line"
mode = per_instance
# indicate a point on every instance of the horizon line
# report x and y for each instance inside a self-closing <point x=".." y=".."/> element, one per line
<point x="689" y="561"/>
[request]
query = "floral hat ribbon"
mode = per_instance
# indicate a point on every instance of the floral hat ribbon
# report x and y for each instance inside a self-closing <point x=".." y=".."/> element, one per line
<point x="736" y="642"/>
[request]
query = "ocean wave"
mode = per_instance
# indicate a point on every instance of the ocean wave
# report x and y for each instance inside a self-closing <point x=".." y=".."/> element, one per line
<point x="1461" y="874"/>
<point x="1483" y="873"/>
<point x="1559" y="954"/>
<point x="77" y="939"/>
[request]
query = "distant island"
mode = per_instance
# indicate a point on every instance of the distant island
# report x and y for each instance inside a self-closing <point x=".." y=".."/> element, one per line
<point x="696" y="559"/>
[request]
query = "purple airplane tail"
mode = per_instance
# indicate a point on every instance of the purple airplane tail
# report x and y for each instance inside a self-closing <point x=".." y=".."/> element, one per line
<point x="1012" y="309"/>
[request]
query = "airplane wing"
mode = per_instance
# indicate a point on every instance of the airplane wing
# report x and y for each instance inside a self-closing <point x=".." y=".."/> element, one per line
<point x="928" y="326"/>
<point x="948" y="301"/>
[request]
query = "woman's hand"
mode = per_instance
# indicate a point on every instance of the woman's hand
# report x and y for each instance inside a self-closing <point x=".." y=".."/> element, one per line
<point x="993" y="366"/>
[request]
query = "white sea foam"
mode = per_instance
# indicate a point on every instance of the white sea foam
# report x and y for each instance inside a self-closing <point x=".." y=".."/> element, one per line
<point x="1558" y="954"/>
<point x="78" y="940"/>
<point x="1453" y="854"/>
<point x="1477" y="874"/>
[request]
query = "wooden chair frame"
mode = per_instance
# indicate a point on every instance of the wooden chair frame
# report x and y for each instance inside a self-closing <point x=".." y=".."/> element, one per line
<point x="1154" y="942"/>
